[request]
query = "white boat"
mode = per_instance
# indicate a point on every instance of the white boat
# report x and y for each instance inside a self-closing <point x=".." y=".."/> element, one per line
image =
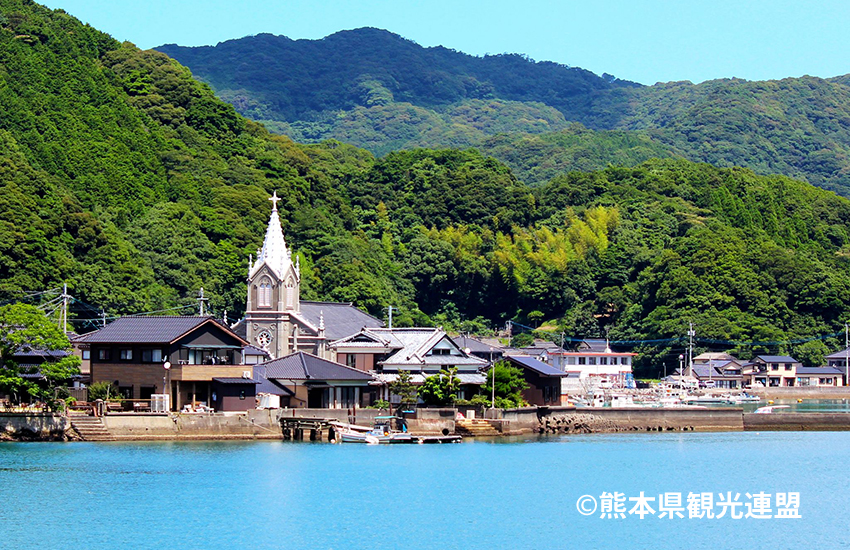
<point x="769" y="410"/>
<point x="380" y="433"/>
<point x="743" y="398"/>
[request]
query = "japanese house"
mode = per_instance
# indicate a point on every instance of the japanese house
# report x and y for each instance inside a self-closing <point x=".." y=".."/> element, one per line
<point x="305" y="380"/>
<point x="544" y="381"/>
<point x="421" y="351"/>
<point x="131" y="353"/>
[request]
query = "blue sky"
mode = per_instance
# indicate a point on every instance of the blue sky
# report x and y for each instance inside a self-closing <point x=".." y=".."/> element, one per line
<point x="646" y="41"/>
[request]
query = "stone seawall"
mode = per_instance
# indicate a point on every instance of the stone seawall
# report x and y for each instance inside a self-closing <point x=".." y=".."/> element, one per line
<point x="33" y="427"/>
<point x="592" y="420"/>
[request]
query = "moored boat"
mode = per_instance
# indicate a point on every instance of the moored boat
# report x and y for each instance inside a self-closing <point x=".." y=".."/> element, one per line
<point x="381" y="433"/>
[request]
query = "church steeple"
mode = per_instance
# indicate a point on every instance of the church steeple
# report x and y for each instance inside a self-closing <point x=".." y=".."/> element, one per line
<point x="274" y="252"/>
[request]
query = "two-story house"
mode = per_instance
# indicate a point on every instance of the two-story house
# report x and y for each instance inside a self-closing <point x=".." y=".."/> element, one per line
<point x="771" y="371"/>
<point x="421" y="351"/>
<point x="201" y="354"/>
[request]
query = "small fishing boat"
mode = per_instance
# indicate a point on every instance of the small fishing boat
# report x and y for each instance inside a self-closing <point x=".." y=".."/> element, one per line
<point x="769" y="410"/>
<point x="381" y="433"/>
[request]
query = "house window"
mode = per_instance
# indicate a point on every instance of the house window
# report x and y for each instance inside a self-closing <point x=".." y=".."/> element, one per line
<point x="151" y="356"/>
<point x="624" y="360"/>
<point x="571" y="360"/>
<point x="774" y="366"/>
<point x="264" y="296"/>
<point x="582" y="360"/>
<point x="126" y="355"/>
<point x="441" y="352"/>
<point x="787" y="366"/>
<point x="86" y="354"/>
<point x="603" y="360"/>
<point x="592" y="361"/>
<point x="351" y="360"/>
<point x="614" y="360"/>
<point x="103" y="354"/>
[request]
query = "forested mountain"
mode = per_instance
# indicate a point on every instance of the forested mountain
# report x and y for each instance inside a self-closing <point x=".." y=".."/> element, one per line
<point x="377" y="90"/>
<point x="130" y="181"/>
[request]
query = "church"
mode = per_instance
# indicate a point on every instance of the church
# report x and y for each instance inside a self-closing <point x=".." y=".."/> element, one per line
<point x="276" y="320"/>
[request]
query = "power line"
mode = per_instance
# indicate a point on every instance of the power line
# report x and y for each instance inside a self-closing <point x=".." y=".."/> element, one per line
<point x="708" y="341"/>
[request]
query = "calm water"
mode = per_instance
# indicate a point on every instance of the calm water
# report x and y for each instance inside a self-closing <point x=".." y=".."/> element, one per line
<point x="516" y="494"/>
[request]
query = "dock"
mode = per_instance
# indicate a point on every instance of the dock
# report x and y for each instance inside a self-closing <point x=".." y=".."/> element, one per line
<point x="426" y="439"/>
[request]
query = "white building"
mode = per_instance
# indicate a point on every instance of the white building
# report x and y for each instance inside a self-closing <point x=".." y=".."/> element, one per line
<point x="595" y="365"/>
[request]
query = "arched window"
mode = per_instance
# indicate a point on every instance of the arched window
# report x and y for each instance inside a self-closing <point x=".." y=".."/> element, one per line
<point x="290" y="294"/>
<point x="264" y="297"/>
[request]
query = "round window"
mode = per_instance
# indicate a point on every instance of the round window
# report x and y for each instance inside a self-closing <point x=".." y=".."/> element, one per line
<point x="264" y="338"/>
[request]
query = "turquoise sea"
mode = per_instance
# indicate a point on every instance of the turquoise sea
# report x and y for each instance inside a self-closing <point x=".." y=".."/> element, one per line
<point x="519" y="493"/>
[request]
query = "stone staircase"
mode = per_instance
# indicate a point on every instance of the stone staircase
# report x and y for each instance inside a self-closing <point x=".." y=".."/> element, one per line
<point x="476" y="428"/>
<point x="90" y="428"/>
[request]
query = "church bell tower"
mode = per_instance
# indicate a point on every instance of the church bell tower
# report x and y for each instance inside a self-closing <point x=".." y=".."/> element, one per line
<point x="274" y="284"/>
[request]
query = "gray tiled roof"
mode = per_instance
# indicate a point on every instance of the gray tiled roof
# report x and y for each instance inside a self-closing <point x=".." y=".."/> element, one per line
<point x="537" y="366"/>
<point x="254" y="350"/>
<point x="474" y="345"/>
<point x="830" y="371"/>
<point x="713" y="371"/>
<point x="838" y="354"/>
<point x="341" y="319"/>
<point x="235" y="381"/>
<point x="409" y="348"/>
<point x="153" y="329"/>
<point x="306" y="366"/>
<point x="776" y="359"/>
<point x="269" y="386"/>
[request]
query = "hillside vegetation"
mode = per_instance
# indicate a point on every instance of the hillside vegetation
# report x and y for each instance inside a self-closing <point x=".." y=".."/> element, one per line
<point x="377" y="90"/>
<point x="129" y="180"/>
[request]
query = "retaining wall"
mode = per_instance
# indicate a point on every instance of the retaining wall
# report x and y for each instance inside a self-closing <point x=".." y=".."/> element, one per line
<point x="432" y="422"/>
<point x="797" y="421"/>
<point x="256" y="424"/>
<point x="32" y="426"/>
<point x="610" y="419"/>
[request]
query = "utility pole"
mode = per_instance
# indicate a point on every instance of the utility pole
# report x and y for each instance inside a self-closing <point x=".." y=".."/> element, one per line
<point x="201" y="301"/>
<point x="846" y="354"/>
<point x="691" y="334"/>
<point x="390" y="314"/>
<point x="103" y="317"/>
<point x="63" y="316"/>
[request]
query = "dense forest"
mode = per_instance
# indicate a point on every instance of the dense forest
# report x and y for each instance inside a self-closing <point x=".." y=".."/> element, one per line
<point x="126" y="178"/>
<point x="376" y="90"/>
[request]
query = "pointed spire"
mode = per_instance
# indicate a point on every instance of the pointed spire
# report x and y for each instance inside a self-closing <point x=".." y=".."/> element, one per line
<point x="321" y="321"/>
<point x="274" y="252"/>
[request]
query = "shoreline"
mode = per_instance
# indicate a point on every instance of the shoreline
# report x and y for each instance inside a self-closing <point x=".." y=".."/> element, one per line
<point x="268" y="425"/>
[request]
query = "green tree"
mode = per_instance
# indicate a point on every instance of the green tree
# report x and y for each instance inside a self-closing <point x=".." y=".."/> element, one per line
<point x="404" y="389"/>
<point x="440" y="389"/>
<point x="509" y="385"/>
<point x="811" y="354"/>
<point x="26" y="328"/>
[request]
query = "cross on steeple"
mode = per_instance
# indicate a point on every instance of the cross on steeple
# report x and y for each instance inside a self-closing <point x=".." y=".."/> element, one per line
<point x="274" y="198"/>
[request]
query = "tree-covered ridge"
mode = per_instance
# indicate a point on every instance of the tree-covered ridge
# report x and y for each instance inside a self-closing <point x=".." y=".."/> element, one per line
<point x="289" y="80"/>
<point x="798" y="127"/>
<point x="376" y="90"/>
<point x="131" y="182"/>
